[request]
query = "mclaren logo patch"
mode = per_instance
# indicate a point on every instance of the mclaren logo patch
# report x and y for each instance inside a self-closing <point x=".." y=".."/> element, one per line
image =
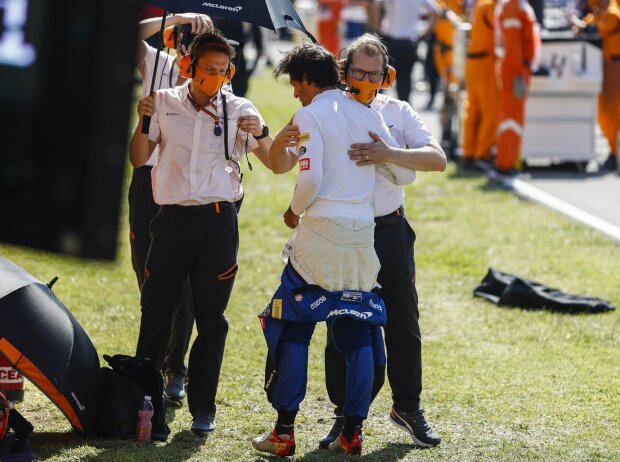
<point x="344" y="311"/>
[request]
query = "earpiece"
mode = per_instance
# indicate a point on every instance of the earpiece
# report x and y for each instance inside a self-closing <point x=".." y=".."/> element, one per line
<point x="171" y="37"/>
<point x="342" y="67"/>
<point x="231" y="71"/>
<point x="187" y="67"/>
<point x="388" y="79"/>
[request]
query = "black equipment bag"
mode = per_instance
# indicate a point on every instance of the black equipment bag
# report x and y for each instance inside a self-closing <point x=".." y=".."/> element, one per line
<point x="123" y="388"/>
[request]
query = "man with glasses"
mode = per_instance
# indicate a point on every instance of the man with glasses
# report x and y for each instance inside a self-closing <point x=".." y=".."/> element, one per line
<point x="366" y="70"/>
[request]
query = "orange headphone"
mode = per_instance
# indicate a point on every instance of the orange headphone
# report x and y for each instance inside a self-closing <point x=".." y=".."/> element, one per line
<point x="187" y="68"/>
<point x="171" y="37"/>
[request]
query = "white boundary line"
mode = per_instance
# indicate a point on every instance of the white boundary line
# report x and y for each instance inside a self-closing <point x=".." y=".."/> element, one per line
<point x="531" y="192"/>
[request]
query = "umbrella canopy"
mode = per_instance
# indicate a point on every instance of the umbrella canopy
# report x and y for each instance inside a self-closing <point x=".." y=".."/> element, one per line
<point x="42" y="339"/>
<point x="272" y="14"/>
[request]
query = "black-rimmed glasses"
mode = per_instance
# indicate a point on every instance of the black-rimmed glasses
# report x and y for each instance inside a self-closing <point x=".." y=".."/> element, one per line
<point x="359" y="74"/>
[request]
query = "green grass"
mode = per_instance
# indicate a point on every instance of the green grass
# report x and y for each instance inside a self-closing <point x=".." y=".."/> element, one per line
<point x="499" y="384"/>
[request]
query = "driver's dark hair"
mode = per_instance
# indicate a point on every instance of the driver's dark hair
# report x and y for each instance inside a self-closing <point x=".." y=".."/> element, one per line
<point x="311" y="63"/>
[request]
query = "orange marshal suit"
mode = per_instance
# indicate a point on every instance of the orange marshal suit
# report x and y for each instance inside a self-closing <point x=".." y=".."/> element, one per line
<point x="482" y="104"/>
<point x="607" y="22"/>
<point x="444" y="41"/>
<point x="517" y="34"/>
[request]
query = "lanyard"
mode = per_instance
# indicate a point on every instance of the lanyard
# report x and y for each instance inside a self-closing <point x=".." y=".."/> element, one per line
<point x="217" y="130"/>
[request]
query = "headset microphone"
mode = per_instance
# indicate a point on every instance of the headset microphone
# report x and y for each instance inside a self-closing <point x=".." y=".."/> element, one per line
<point x="353" y="91"/>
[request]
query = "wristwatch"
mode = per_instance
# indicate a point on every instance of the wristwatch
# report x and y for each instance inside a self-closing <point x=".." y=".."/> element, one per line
<point x="263" y="134"/>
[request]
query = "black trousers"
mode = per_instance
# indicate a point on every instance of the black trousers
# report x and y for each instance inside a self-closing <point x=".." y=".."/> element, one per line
<point x="403" y="55"/>
<point x="430" y="70"/>
<point x="200" y="243"/>
<point x="142" y="209"/>
<point x="394" y="243"/>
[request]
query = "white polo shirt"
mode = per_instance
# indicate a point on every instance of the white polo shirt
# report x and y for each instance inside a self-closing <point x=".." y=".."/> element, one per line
<point x="167" y="76"/>
<point x="408" y="130"/>
<point x="401" y="17"/>
<point x="329" y="183"/>
<point x="192" y="168"/>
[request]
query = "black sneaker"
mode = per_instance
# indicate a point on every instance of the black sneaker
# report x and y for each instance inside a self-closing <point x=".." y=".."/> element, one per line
<point x="204" y="422"/>
<point x="333" y="434"/>
<point x="175" y="387"/>
<point x="415" y="424"/>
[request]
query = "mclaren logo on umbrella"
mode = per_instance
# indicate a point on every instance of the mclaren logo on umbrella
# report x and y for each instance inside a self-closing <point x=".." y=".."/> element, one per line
<point x="234" y="9"/>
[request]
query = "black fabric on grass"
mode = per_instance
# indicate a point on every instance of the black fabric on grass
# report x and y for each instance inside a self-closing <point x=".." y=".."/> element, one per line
<point x="505" y="289"/>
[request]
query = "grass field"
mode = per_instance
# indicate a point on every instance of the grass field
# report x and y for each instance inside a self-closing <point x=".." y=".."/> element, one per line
<point x="499" y="384"/>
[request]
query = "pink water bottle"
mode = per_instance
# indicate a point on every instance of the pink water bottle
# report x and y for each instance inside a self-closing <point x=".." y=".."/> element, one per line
<point x="144" y="426"/>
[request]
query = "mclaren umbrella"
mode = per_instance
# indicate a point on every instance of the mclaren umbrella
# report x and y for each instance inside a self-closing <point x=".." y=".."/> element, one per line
<point x="42" y="339"/>
<point x="271" y="14"/>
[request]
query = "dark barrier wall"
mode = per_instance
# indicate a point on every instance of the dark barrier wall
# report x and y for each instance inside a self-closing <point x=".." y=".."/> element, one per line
<point x="66" y="79"/>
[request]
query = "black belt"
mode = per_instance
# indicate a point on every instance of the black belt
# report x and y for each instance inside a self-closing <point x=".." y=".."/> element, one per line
<point x="214" y="207"/>
<point x="480" y="54"/>
<point x="145" y="169"/>
<point x="615" y="57"/>
<point x="391" y="218"/>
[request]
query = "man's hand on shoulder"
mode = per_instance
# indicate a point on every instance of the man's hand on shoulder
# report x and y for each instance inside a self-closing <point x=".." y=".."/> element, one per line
<point x="280" y="158"/>
<point x="287" y="137"/>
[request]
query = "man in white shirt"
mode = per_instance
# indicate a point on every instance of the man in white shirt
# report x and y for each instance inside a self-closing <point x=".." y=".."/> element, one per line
<point x="399" y="28"/>
<point x="202" y="132"/>
<point x="142" y="208"/>
<point x="394" y="241"/>
<point x="332" y="257"/>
